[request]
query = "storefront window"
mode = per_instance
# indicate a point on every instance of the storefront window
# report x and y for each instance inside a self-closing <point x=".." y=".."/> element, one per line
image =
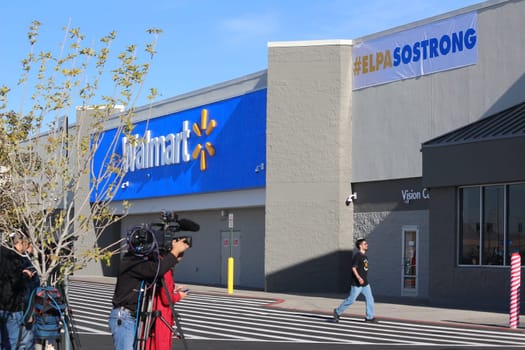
<point x="516" y="217"/>
<point x="493" y="225"/>
<point x="469" y="228"/>
<point x="501" y="210"/>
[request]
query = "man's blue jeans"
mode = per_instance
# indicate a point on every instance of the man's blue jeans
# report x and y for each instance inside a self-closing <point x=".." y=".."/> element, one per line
<point x="354" y="293"/>
<point x="123" y="332"/>
<point x="11" y="325"/>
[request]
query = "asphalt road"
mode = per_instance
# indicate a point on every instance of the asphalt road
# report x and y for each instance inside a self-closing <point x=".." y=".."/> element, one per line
<point x="97" y="342"/>
<point x="228" y="322"/>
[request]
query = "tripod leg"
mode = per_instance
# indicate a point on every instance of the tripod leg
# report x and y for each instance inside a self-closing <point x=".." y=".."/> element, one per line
<point x="178" y="329"/>
<point x="147" y="323"/>
<point x="139" y="319"/>
<point x="144" y="318"/>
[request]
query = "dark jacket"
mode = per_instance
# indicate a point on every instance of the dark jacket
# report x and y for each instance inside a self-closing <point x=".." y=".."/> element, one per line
<point x="12" y="280"/>
<point x="134" y="270"/>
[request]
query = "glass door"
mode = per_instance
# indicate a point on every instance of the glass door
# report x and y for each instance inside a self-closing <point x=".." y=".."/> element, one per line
<point x="409" y="261"/>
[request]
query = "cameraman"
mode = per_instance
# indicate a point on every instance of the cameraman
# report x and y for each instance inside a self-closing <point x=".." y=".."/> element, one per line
<point x="135" y="271"/>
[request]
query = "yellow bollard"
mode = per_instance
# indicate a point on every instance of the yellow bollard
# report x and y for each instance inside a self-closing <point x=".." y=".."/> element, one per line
<point x="230" y="275"/>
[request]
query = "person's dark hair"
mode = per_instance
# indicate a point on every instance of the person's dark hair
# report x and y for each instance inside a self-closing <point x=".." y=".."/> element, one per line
<point x="358" y="243"/>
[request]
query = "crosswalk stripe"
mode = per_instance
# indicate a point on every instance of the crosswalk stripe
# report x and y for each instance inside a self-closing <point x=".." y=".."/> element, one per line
<point x="219" y="317"/>
<point x="438" y="332"/>
<point x="301" y="328"/>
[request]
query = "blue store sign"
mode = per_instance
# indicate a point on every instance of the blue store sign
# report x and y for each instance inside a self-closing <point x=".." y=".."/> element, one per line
<point x="215" y="147"/>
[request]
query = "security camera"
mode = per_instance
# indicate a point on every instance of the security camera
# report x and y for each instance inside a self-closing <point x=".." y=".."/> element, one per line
<point x="350" y="198"/>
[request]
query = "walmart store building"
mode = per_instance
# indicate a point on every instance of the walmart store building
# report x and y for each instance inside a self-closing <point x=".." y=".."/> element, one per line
<point x="424" y="123"/>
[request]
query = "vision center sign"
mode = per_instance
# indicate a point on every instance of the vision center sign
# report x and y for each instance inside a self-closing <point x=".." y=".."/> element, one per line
<point x="214" y="147"/>
<point x="411" y="195"/>
<point x="438" y="46"/>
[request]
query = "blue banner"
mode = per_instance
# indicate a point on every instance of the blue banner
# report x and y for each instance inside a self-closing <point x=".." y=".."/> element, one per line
<point x="438" y="46"/>
<point x="215" y="147"/>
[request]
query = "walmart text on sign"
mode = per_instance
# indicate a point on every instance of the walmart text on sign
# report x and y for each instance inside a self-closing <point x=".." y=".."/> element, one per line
<point x="438" y="46"/>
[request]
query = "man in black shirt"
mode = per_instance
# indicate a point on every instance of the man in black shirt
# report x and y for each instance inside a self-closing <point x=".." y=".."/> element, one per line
<point x="359" y="283"/>
<point x="137" y="271"/>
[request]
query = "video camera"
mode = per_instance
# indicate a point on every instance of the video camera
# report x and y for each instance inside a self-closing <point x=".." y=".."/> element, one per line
<point x="146" y="239"/>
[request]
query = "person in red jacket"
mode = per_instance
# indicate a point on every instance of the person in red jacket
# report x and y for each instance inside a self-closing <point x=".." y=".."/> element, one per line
<point x="161" y="336"/>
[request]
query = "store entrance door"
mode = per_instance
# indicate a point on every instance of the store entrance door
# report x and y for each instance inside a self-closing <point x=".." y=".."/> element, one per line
<point x="409" y="261"/>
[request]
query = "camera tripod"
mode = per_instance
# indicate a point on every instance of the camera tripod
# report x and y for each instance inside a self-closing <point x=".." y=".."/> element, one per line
<point x="147" y="317"/>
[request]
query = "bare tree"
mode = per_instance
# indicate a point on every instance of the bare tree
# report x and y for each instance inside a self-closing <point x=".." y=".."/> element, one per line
<point x="48" y="188"/>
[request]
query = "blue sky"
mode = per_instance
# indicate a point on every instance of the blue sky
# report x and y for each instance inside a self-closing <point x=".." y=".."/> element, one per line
<point x="204" y="42"/>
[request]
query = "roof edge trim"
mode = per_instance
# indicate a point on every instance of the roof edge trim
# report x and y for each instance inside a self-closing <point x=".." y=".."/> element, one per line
<point x="341" y="42"/>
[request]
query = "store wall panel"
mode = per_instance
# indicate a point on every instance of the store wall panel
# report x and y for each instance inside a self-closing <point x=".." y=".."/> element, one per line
<point x="308" y="165"/>
<point x="383" y="231"/>
<point x="484" y="287"/>
<point x="391" y="121"/>
<point x="202" y="263"/>
<point x="474" y="163"/>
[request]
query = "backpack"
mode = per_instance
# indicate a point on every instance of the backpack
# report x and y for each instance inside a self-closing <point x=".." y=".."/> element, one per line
<point x="48" y="307"/>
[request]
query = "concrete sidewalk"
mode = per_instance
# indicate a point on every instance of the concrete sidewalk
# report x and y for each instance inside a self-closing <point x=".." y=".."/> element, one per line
<point x="383" y="310"/>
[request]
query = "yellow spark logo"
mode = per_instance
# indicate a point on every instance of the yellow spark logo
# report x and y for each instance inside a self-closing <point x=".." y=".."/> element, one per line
<point x="206" y="128"/>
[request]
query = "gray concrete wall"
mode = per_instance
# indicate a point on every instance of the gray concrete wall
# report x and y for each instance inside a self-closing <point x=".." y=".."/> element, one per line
<point x="449" y="284"/>
<point x="391" y="121"/>
<point x="308" y="227"/>
<point x="380" y="213"/>
<point x="81" y="206"/>
<point x="383" y="231"/>
<point x="202" y="263"/>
